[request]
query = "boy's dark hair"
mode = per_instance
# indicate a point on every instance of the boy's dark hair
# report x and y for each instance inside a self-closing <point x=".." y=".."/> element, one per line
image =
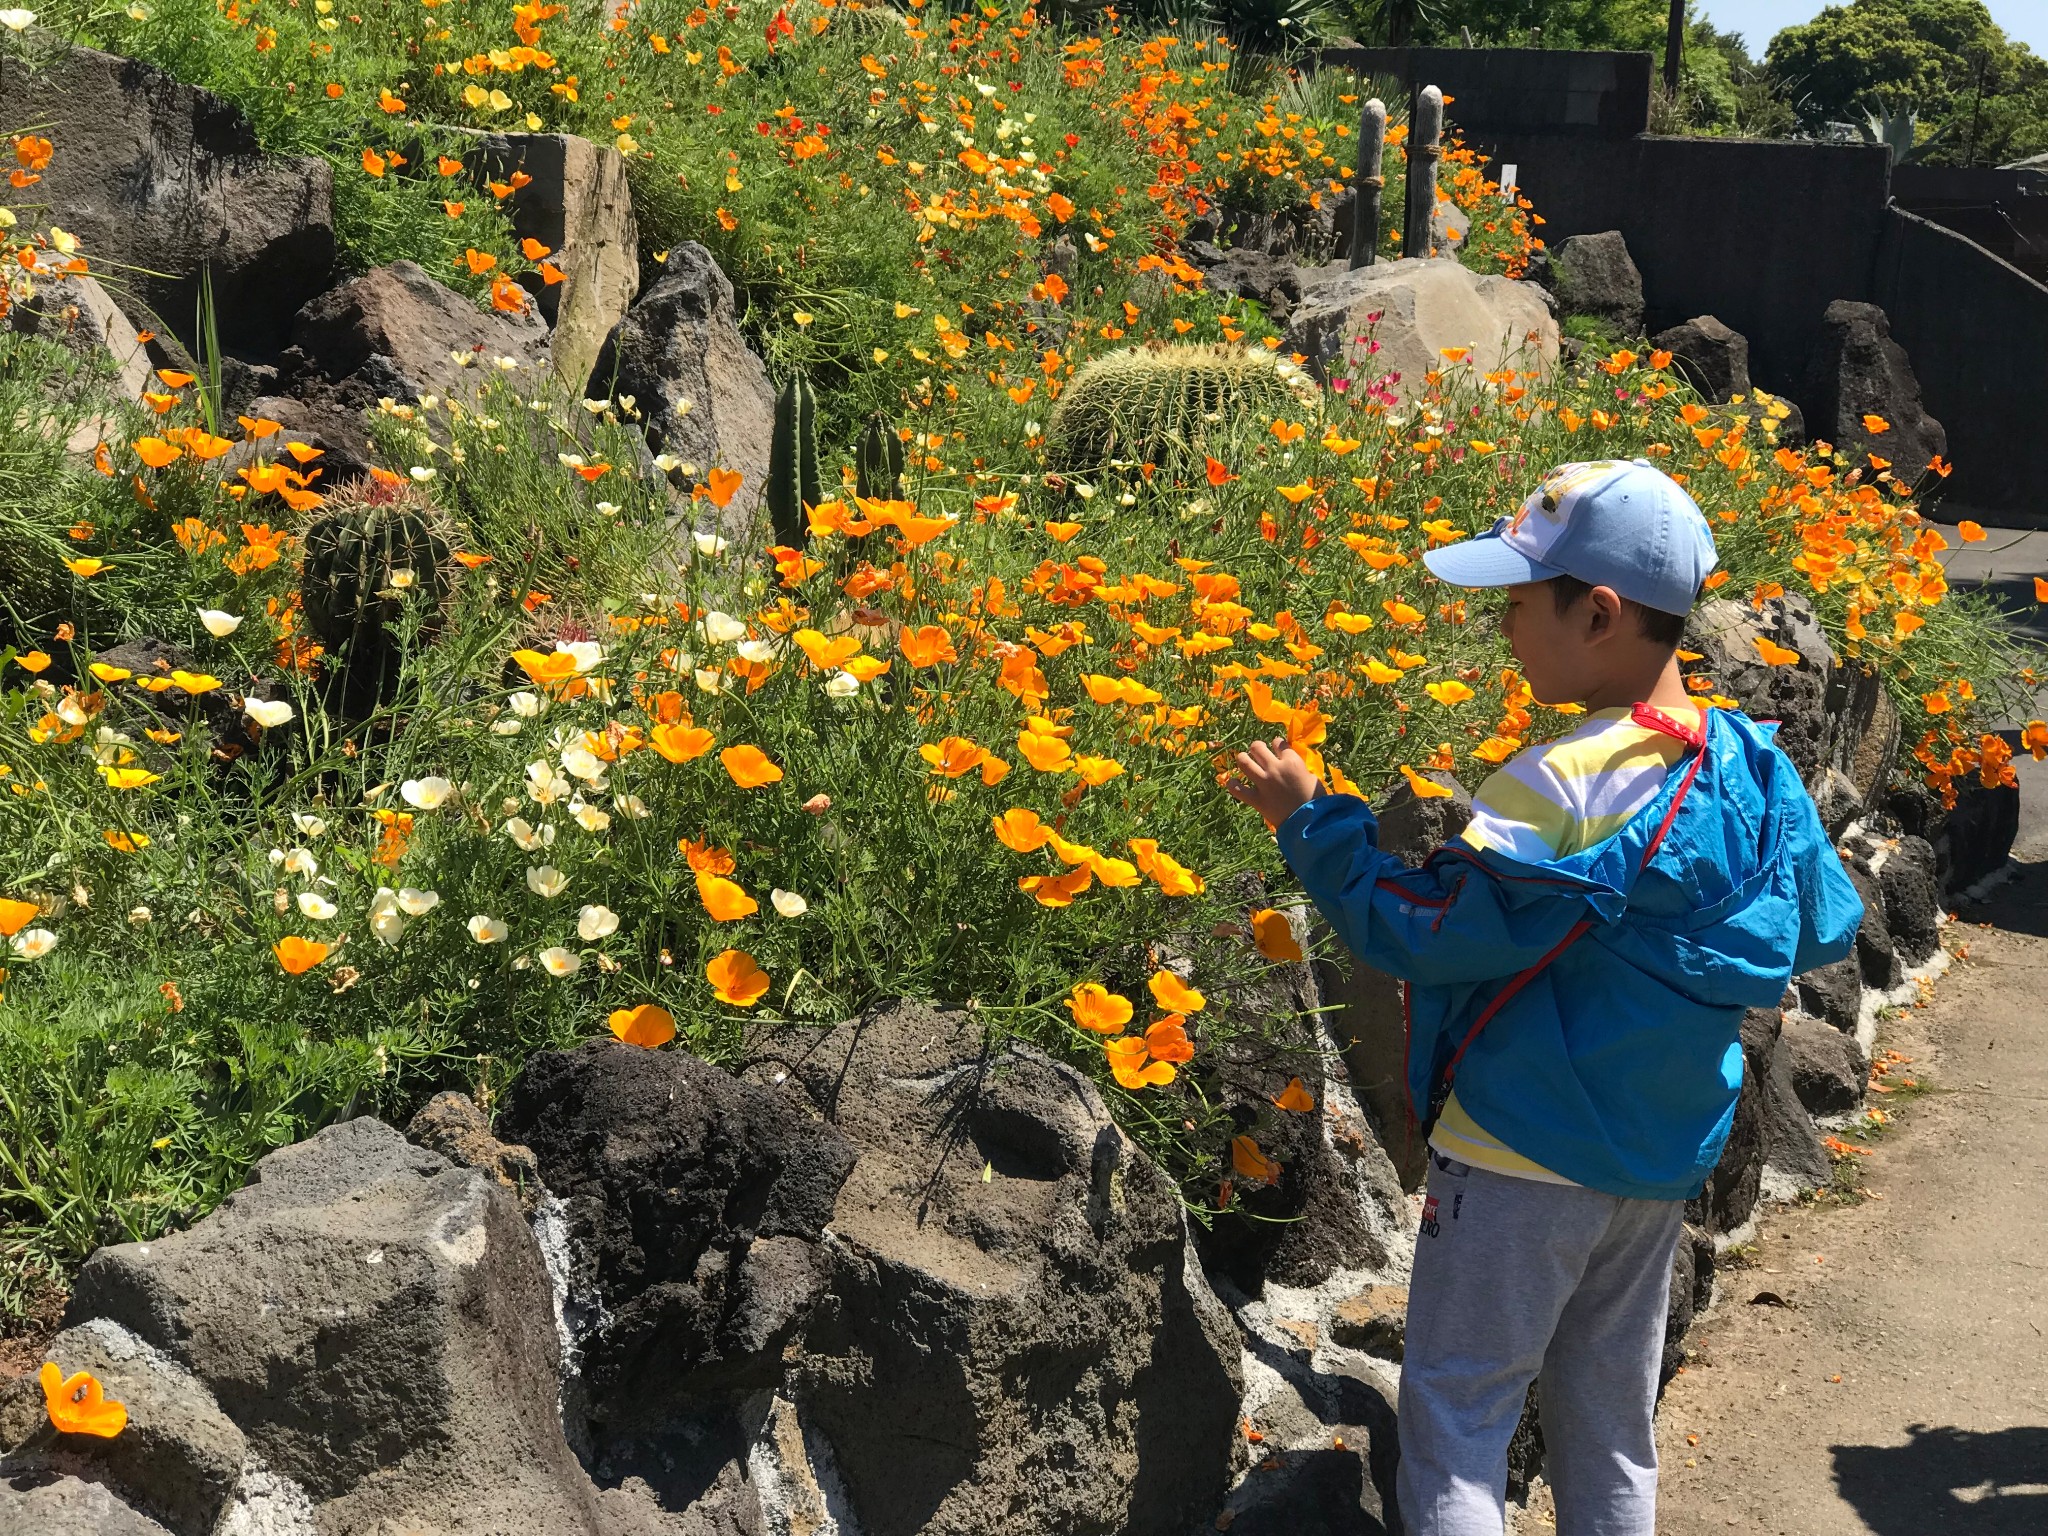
<point x="1657" y="625"/>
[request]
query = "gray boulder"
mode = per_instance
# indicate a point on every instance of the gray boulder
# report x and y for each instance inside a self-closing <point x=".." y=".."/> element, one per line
<point x="1692" y="1292"/>
<point x="1375" y="1321"/>
<point x="1856" y="370"/>
<point x="378" y="1324"/>
<point x="1876" y="958"/>
<point x="1596" y="276"/>
<point x="1794" y="1159"/>
<point x="395" y="331"/>
<point x="164" y="180"/>
<point x="1827" y="1066"/>
<point x="1832" y="714"/>
<point x="579" y="205"/>
<point x="68" y="1507"/>
<point x="1391" y="322"/>
<point x="1833" y="992"/>
<point x="1327" y="1454"/>
<point x="1017" y="1338"/>
<point x="1709" y="356"/>
<point x="1731" y="1190"/>
<point x="179" y="1458"/>
<point x="76" y="312"/>
<point x="452" y="1125"/>
<point x="703" y="395"/>
<point x="696" y="1204"/>
<point x="1273" y="281"/>
<point x="1912" y="905"/>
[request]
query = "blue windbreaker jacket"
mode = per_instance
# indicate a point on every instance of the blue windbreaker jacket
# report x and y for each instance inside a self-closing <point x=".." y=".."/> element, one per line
<point x="1608" y="986"/>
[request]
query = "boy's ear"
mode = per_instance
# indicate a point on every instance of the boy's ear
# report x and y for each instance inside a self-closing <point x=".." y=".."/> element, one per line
<point x="1603" y="613"/>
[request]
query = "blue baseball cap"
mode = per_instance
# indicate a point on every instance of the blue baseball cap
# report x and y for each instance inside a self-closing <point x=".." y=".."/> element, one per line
<point x="1614" y="523"/>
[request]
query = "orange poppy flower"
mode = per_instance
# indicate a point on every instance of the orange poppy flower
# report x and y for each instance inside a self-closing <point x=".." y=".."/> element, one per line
<point x="1175" y="995"/>
<point x="928" y="646"/>
<point x="1295" y="1098"/>
<point x="724" y="899"/>
<point x="825" y="654"/>
<point x="1774" y="654"/>
<point x="1167" y="1039"/>
<point x="14" y="916"/>
<point x="1017" y="829"/>
<point x="704" y="858"/>
<point x="749" y="767"/>
<point x="953" y="756"/>
<point x="78" y="1405"/>
<point x="298" y="955"/>
<point x="1251" y="1163"/>
<point x="721" y="485"/>
<point x="1131" y="1065"/>
<point x="1274" y="935"/>
<point x="1046" y="753"/>
<point x="1060" y="533"/>
<point x="680" y="743"/>
<point x="1424" y="789"/>
<point x="1096" y="1008"/>
<point x="1057" y="890"/>
<point x="645" y="1025"/>
<point x="736" y="979"/>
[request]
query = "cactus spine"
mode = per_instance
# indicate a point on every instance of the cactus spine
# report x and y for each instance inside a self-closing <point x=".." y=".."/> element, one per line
<point x="793" y="478"/>
<point x="1159" y="403"/>
<point x="878" y="464"/>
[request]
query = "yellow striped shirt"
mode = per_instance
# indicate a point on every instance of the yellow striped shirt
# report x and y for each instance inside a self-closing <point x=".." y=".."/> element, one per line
<point x="1561" y="799"/>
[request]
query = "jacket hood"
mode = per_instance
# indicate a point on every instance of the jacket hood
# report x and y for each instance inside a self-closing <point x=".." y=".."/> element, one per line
<point x="1712" y="907"/>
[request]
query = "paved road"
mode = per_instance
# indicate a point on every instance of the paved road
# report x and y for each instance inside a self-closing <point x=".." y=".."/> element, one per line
<point x="1900" y="1388"/>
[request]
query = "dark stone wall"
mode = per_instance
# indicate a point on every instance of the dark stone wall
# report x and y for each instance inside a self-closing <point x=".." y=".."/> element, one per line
<point x="1519" y="90"/>
<point x="1977" y="331"/>
<point x="1762" y="235"/>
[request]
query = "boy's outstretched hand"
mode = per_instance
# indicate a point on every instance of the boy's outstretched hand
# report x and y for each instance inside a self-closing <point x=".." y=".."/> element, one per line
<point x="1273" y="780"/>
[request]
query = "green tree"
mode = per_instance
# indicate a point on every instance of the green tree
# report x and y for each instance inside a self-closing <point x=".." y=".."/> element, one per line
<point x="1980" y="97"/>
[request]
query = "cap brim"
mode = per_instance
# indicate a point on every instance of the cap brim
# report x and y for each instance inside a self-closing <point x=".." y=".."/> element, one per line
<point x="1487" y="561"/>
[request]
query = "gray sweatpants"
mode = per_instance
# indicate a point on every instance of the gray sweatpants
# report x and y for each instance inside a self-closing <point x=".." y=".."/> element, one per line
<point x="1513" y="1278"/>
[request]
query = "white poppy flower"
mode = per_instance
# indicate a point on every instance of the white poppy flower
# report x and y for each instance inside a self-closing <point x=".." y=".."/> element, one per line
<point x="588" y="653"/>
<point x="528" y="836"/>
<point x="584" y="763"/>
<point x="300" y="861"/>
<point x="308" y="824"/>
<point x="428" y="793"/>
<point x="268" y="712"/>
<point x="788" y="903"/>
<point x="632" y="806"/>
<point x="421" y="472"/>
<point x="842" y="685"/>
<point x="417" y="903"/>
<point x="35" y="943"/>
<point x="488" y="930"/>
<point x="219" y="624"/>
<point x="546" y="881"/>
<point x="722" y="628"/>
<point x="755" y="652"/>
<point x="504" y="727"/>
<point x="386" y="920"/>
<point x="709" y="544"/>
<point x="596" y="922"/>
<point x="559" y="961"/>
<point x="527" y="705"/>
<point x="17" y="20"/>
<point x="589" y="817"/>
<point x="708" y="679"/>
<point x="316" y="906"/>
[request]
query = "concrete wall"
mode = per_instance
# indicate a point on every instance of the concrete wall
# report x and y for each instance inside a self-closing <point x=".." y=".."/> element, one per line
<point x="1977" y="331"/>
<point x="2006" y="212"/>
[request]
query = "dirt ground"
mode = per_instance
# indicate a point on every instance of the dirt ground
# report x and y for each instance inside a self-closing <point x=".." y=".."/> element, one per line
<point x="1879" y="1367"/>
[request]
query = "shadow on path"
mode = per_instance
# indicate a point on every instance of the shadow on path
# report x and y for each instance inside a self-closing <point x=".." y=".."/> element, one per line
<point x="1958" y="1482"/>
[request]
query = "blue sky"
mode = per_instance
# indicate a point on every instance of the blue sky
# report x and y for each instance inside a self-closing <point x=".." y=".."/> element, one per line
<point x="1759" y="20"/>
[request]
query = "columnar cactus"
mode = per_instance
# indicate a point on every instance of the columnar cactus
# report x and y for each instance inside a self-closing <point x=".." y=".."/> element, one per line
<point x="878" y="462"/>
<point x="1158" y="404"/>
<point x="793" y="478"/>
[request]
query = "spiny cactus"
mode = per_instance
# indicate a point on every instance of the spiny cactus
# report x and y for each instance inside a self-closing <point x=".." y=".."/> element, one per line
<point x="1159" y="403"/>
<point x="793" y="478"/>
<point x="374" y="549"/>
<point x="878" y="461"/>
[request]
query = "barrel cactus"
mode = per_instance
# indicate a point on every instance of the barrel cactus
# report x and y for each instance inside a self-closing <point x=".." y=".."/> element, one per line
<point x="1160" y="403"/>
<point x="374" y="550"/>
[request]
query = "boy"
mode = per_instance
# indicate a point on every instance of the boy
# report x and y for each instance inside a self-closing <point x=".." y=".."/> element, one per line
<point x="1578" y="964"/>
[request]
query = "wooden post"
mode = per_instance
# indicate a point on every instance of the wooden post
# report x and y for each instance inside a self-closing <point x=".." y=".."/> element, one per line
<point x="1425" y="149"/>
<point x="1368" y="184"/>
